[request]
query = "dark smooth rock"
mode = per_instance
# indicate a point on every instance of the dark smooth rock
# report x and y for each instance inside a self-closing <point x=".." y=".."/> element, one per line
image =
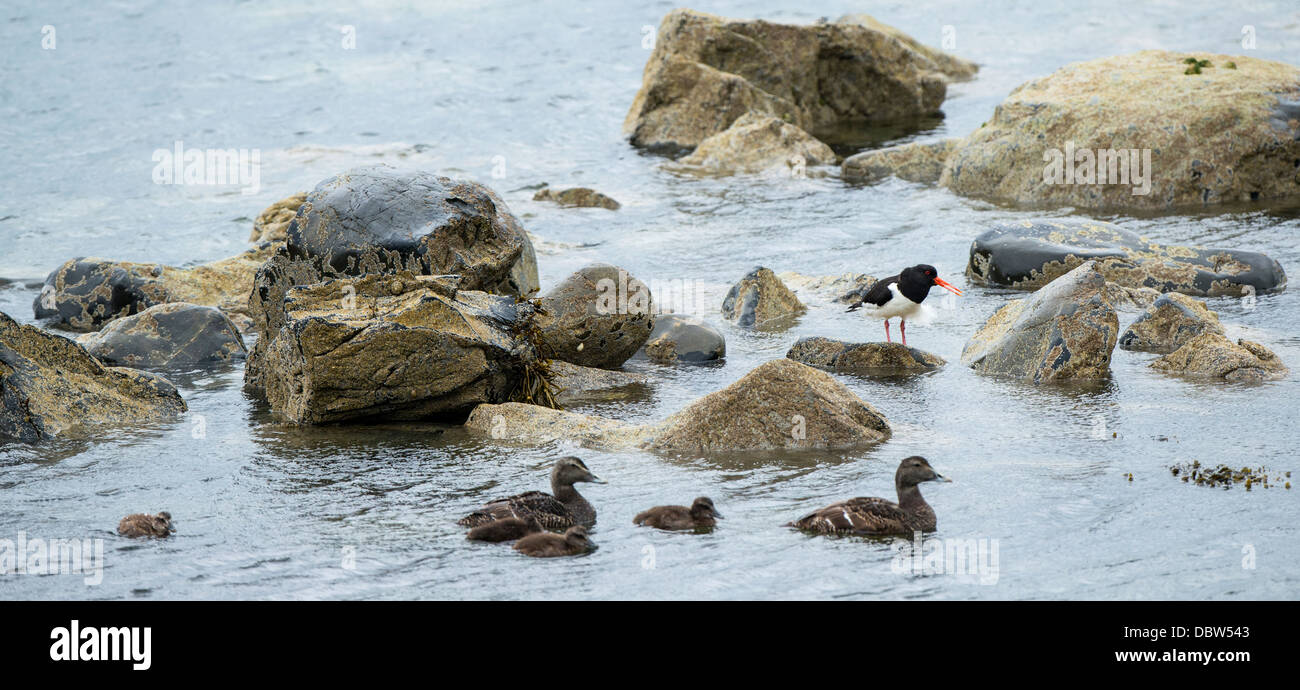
<point x="167" y="334"/>
<point x="678" y="338"/>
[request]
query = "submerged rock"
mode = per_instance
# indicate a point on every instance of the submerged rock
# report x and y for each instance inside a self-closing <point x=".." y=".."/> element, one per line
<point x="580" y="197"/>
<point x="1028" y="255"/>
<point x="597" y="317"/>
<point x="1064" y="331"/>
<point x="49" y="384"/>
<point x="845" y="288"/>
<point x="757" y="142"/>
<point x="915" y="162"/>
<point x="1213" y="355"/>
<point x="678" y="338"/>
<point x="272" y="224"/>
<point x="1223" y="135"/>
<point x="573" y="382"/>
<point x="1169" y="323"/>
<point x="760" y="297"/>
<point x="167" y="334"/>
<point x="866" y="358"/>
<point x="706" y="72"/>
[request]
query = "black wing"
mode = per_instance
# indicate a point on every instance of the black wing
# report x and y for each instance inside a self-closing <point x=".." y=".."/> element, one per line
<point x="877" y="295"/>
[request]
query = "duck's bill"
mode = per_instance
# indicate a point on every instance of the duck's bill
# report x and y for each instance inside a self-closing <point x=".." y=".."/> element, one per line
<point x="596" y="480"/>
<point x="718" y="515"/>
<point x="947" y="286"/>
<point x="940" y="478"/>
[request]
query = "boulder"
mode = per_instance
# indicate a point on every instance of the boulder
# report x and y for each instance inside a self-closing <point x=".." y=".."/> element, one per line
<point x="1028" y="255"/>
<point x="915" y="162"/>
<point x="580" y="197"/>
<point x="1130" y="299"/>
<point x="49" y="385"/>
<point x="758" y="298"/>
<point x="1213" y="355"/>
<point x="1169" y="323"/>
<point x="597" y="317"/>
<point x="678" y="338"/>
<point x="1225" y="134"/>
<point x="520" y="422"/>
<point x="952" y="67"/>
<point x="272" y="224"/>
<point x="167" y="334"/>
<point x="706" y="72"/>
<point x="757" y="142"/>
<point x="865" y="358"/>
<point x="1066" y="330"/>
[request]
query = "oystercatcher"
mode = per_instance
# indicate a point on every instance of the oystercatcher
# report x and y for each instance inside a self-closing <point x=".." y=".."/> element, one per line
<point x="901" y="296"/>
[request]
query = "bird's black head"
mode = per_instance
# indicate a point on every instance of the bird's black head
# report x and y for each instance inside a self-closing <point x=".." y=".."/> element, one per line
<point x="915" y="282"/>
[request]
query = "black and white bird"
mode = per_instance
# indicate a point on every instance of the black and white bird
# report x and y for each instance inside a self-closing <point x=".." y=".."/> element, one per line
<point x="901" y="296"/>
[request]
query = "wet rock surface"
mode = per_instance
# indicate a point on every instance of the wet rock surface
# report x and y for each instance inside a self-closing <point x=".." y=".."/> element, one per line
<point x="844" y="288"/>
<point x="575" y="383"/>
<point x="1169" y="323"/>
<point x="1211" y="355"/>
<point x="50" y="385"/>
<point x="1066" y="330"/>
<point x="864" y="358"/>
<point x="759" y="298"/>
<point x="167" y="334"/>
<point x="915" y="162"/>
<point x="272" y="224"/>
<point x="580" y="197"/>
<point x="678" y="338"/>
<point x="1028" y="255"/>
<point x="755" y="143"/>
<point x="597" y="317"/>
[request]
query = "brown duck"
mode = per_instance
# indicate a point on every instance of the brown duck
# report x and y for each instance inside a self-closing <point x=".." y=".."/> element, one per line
<point x="548" y="544"/>
<point x="505" y="529"/>
<point x="877" y="515"/>
<point x="701" y="515"/>
<point x="141" y="525"/>
<point x="559" y="511"/>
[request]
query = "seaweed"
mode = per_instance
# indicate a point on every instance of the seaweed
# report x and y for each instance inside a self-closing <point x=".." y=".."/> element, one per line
<point x="535" y="385"/>
<point x="1225" y="476"/>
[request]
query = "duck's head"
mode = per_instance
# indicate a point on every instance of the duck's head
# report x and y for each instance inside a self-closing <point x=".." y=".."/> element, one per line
<point x="163" y="522"/>
<point x="914" y="470"/>
<point x="576" y="537"/>
<point x="570" y="470"/>
<point x="703" y="508"/>
<point x="532" y="525"/>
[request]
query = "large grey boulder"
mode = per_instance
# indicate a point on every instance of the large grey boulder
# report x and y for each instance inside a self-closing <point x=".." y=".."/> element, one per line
<point x="597" y="317"/>
<point x="167" y="334"/>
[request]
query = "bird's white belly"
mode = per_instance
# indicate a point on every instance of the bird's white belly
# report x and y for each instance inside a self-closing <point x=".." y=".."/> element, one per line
<point x="898" y="305"/>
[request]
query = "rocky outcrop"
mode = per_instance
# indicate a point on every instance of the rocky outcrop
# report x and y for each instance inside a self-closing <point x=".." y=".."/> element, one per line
<point x="167" y="334"/>
<point x="1066" y="330"/>
<point x="272" y="224"/>
<point x="952" y="67"/>
<point x="1028" y="255"/>
<point x="1221" y="135"/>
<point x="580" y="197"/>
<point x="706" y="72"/>
<point x="755" y="143"/>
<point x="915" y="162"/>
<point x="758" y="298"/>
<point x="597" y="317"/>
<point x="1169" y="323"/>
<point x="780" y="404"/>
<point x="678" y="338"/>
<point x="49" y="385"/>
<point x="1212" y="355"/>
<point x="879" y="359"/>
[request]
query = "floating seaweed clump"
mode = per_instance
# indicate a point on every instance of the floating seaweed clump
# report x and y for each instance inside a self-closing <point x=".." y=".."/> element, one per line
<point x="1226" y="476"/>
<point x="1196" y="65"/>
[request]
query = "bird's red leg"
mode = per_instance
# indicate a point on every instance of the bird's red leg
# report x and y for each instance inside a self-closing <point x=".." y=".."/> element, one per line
<point x="887" y="331"/>
<point x="902" y="326"/>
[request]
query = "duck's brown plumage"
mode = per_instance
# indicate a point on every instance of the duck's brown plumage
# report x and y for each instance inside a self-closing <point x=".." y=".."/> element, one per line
<point x="548" y="544"/>
<point x="142" y="525"/>
<point x="701" y="515"/>
<point x="878" y="515"/>
<point x="505" y="529"/>
<point x="559" y="511"/>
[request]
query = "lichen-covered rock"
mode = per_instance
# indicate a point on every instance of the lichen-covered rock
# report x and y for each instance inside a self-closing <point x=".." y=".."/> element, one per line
<point x="1066" y="330"/>
<point x="597" y="317"/>
<point x="757" y="142"/>
<point x="707" y="71"/>
<point x="914" y="162"/>
<point x="1028" y="255"/>
<point x="866" y="358"/>
<point x="49" y="385"/>
<point x="758" y="298"/>
<point x="845" y="288"/>
<point x="580" y="197"/>
<point x="86" y="293"/>
<point x="1221" y="135"/>
<point x="272" y="224"/>
<point x="520" y="422"/>
<point x="678" y="338"/>
<point x="1212" y="355"/>
<point x="1169" y="323"/>
<point x="400" y="345"/>
<point x="167" y="334"/>
<point x="1129" y="298"/>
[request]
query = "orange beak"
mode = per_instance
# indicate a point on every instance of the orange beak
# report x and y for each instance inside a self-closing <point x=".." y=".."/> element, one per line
<point x="945" y="284"/>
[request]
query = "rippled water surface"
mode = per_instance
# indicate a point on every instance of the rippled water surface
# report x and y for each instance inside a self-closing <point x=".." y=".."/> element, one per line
<point x="270" y="511"/>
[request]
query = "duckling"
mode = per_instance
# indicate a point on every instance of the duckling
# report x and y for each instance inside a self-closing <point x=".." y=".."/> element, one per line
<point x="141" y="525"/>
<point x="548" y="544"/>
<point x="701" y="515"/>
<point x="560" y="511"/>
<point x="877" y="515"/>
<point x="505" y="529"/>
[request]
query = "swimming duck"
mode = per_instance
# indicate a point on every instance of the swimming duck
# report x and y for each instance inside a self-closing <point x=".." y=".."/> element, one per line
<point x="548" y="544"/>
<point x="142" y="525"/>
<point x="877" y="515"/>
<point x="701" y="515"/>
<point x="560" y="511"/>
<point x="505" y="529"/>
